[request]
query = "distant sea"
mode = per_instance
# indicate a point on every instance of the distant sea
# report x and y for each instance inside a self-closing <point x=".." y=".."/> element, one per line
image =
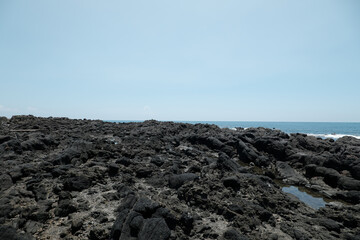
<point x="333" y="130"/>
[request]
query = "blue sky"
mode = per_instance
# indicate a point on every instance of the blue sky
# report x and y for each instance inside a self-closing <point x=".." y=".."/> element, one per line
<point x="181" y="60"/>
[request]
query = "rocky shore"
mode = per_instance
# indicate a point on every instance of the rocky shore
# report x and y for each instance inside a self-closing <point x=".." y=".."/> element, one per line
<point x="83" y="179"/>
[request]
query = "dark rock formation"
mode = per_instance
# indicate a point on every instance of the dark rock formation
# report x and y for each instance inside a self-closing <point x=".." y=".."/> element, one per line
<point x="81" y="179"/>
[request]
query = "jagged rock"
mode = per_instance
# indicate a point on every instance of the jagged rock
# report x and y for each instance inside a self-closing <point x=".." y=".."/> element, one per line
<point x="232" y="234"/>
<point x="227" y="164"/>
<point x="177" y="181"/>
<point x="290" y="175"/>
<point x="113" y="169"/>
<point x="33" y="144"/>
<point x="9" y="233"/>
<point x="4" y="139"/>
<point x="329" y="224"/>
<point x="158" y="161"/>
<point x="143" y="172"/>
<point x="232" y="182"/>
<point x="154" y="229"/>
<point x="84" y="179"/>
<point x="187" y="222"/>
<point x="6" y="182"/>
<point x="348" y="183"/>
<point x="77" y="183"/>
<point x="65" y="207"/>
<point x="76" y="224"/>
<point x="140" y="218"/>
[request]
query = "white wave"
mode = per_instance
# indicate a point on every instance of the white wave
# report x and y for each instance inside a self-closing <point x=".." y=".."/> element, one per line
<point x="333" y="136"/>
<point x="236" y="129"/>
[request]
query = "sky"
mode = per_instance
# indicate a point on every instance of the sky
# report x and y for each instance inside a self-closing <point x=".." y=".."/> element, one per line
<point x="233" y="60"/>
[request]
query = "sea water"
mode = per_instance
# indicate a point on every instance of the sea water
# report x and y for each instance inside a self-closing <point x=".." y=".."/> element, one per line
<point x="333" y="130"/>
<point x="314" y="202"/>
<point x="319" y="129"/>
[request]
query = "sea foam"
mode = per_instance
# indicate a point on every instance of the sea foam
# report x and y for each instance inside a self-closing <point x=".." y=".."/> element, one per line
<point x="333" y="136"/>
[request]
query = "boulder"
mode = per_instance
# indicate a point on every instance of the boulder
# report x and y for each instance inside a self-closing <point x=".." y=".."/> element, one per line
<point x="232" y="234"/>
<point x="289" y="174"/>
<point x="224" y="162"/>
<point x="329" y="224"/>
<point x="4" y="138"/>
<point x="146" y="207"/>
<point x="154" y="229"/>
<point x="176" y="181"/>
<point x="77" y="183"/>
<point x="5" y="181"/>
<point x="141" y="218"/>
<point x="158" y="161"/>
<point x="64" y="208"/>
<point x="9" y="233"/>
<point x="348" y="183"/>
<point x="232" y="182"/>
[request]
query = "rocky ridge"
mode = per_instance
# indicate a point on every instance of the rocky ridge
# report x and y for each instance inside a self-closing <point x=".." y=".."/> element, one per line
<point x="83" y="179"/>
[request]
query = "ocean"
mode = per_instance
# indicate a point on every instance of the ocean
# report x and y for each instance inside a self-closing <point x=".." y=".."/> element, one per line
<point x="333" y="130"/>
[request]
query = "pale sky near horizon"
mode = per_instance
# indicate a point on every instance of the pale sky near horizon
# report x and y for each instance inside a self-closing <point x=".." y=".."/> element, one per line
<point x="261" y="60"/>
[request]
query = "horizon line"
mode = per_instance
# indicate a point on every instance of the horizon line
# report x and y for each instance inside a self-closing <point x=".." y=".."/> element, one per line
<point x="167" y="120"/>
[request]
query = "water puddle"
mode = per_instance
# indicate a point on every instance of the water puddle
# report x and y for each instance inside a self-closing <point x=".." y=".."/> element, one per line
<point x="312" y="199"/>
<point x="314" y="202"/>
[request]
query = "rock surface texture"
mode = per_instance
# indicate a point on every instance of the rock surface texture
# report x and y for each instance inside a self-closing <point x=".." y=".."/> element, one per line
<point x="82" y="179"/>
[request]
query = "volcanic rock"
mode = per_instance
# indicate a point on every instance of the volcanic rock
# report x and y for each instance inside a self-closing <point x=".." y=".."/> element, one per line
<point x="85" y="179"/>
